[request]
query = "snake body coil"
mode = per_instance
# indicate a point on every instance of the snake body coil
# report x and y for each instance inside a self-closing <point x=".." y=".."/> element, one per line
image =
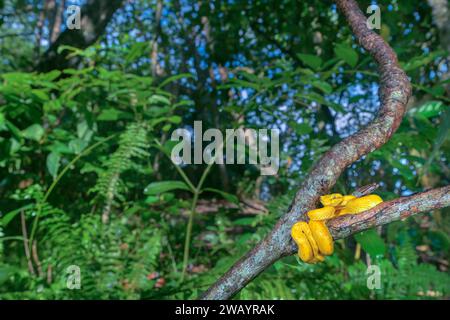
<point x="313" y="238"/>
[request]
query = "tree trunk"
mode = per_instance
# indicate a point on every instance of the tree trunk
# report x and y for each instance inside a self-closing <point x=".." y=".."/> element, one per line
<point x="95" y="16"/>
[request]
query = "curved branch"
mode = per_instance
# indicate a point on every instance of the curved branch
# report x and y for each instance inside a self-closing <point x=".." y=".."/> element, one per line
<point x="394" y="93"/>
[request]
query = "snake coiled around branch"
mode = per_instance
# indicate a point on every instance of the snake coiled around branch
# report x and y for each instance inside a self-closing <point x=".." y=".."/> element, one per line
<point x="313" y="238"/>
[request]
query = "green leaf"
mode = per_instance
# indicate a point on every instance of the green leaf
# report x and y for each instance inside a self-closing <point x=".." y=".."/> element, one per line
<point x="175" y="78"/>
<point x="50" y="76"/>
<point x="53" y="159"/>
<point x="310" y="60"/>
<point x="439" y="240"/>
<point x="6" y="218"/>
<point x="77" y="145"/>
<point x="166" y="127"/>
<point x="403" y="170"/>
<point x="155" y="188"/>
<point x="227" y="196"/>
<point x="428" y="109"/>
<point x="41" y="94"/>
<point x="443" y="134"/>
<point x="33" y="132"/>
<point x="323" y="86"/>
<point x="239" y="83"/>
<point x="346" y="53"/>
<point x="59" y="147"/>
<point x="14" y="130"/>
<point x="244" y="221"/>
<point x="300" y="128"/>
<point x="5" y="272"/>
<point x="136" y="50"/>
<point x="158" y="99"/>
<point x="52" y="105"/>
<point x="437" y="90"/>
<point x="113" y="115"/>
<point x="420" y="61"/>
<point x="69" y="48"/>
<point x="371" y="242"/>
<point x="175" y="119"/>
<point x="151" y="199"/>
<point x="156" y="112"/>
<point x="18" y="77"/>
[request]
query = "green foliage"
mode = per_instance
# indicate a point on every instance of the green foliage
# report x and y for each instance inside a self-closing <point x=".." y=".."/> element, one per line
<point x="371" y="242"/>
<point x="132" y="144"/>
<point x="164" y="186"/>
<point x="346" y="53"/>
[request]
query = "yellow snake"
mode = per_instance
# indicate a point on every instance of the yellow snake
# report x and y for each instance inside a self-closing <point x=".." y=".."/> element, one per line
<point x="313" y="239"/>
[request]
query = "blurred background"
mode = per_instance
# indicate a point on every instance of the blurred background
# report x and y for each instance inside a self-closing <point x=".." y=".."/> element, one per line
<point x="90" y="92"/>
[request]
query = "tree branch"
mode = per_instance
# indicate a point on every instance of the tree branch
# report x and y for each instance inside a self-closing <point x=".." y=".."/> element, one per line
<point x="394" y="93"/>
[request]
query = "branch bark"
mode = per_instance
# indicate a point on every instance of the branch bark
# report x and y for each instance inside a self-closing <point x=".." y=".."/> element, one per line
<point x="56" y="28"/>
<point x="394" y="93"/>
<point x="157" y="30"/>
<point x="40" y="27"/>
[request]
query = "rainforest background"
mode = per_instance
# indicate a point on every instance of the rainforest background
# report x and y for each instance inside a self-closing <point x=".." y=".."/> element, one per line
<point x="85" y="123"/>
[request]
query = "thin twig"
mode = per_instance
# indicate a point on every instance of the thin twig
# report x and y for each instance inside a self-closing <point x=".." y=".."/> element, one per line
<point x="25" y="243"/>
<point x="36" y="260"/>
<point x="49" y="274"/>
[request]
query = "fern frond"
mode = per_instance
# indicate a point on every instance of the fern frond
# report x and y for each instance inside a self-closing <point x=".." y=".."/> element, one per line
<point x="132" y="144"/>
